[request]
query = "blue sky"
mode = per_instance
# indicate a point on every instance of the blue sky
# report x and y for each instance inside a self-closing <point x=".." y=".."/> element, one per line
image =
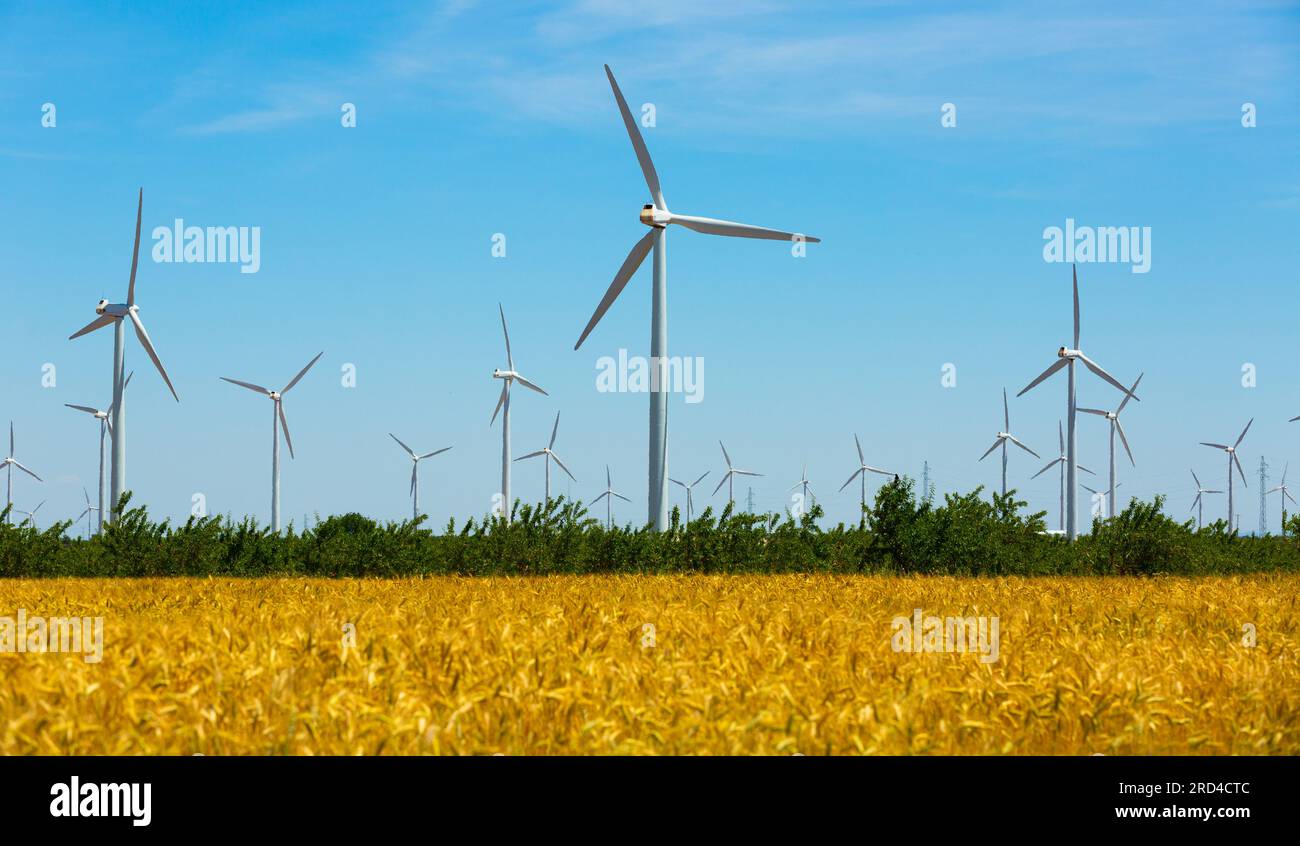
<point x="475" y="119"/>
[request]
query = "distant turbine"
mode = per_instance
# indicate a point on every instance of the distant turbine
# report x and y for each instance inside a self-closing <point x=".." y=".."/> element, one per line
<point x="1109" y="494"/>
<point x="1066" y="357"/>
<point x="1286" y="494"/>
<point x="656" y="216"/>
<point x="1116" y="426"/>
<point x="729" y="477"/>
<point x="549" y="452"/>
<point x="277" y="411"/>
<point x="689" y="501"/>
<point x="508" y="376"/>
<point x="1196" y="503"/>
<point x="90" y="508"/>
<point x="116" y="313"/>
<point x="608" y="496"/>
<point x="1001" y="441"/>
<point x="863" y="469"/>
<point x="1060" y="461"/>
<point x="1232" y="457"/>
<point x="9" y="464"/>
<point x="105" y="428"/>
<point x="31" y="515"/>
<point x="415" y="477"/>
<point x="803" y="482"/>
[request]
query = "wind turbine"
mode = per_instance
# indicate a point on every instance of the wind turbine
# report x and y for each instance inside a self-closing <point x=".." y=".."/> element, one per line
<point x="1232" y="458"/>
<point x="415" y="477"/>
<point x="105" y="428"/>
<point x="508" y="377"/>
<point x="730" y="476"/>
<point x="656" y="215"/>
<point x="1116" y="426"/>
<point x="608" y="496"/>
<point x="116" y="313"/>
<point x="9" y="464"/>
<point x="863" y="469"/>
<point x="1196" y="503"/>
<point x="1066" y="357"/>
<point x="31" y="515"/>
<point x="1001" y="441"/>
<point x="803" y="482"/>
<point x="1110" y="494"/>
<point x="549" y="452"/>
<point x="689" y="500"/>
<point x="277" y="412"/>
<point x="1286" y="494"/>
<point x="90" y="508"/>
<point x="1060" y="460"/>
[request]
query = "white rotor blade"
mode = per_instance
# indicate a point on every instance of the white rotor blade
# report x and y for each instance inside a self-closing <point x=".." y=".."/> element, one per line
<point x="1242" y="436"/>
<point x="1017" y="442"/>
<point x="675" y="482"/>
<point x="528" y="384"/>
<point x="747" y="473"/>
<point x="1124" y="402"/>
<point x="19" y="465"/>
<point x="1006" y="413"/>
<point x="702" y="475"/>
<point x="510" y="359"/>
<point x="1237" y="461"/>
<point x="599" y="498"/>
<point x="1084" y="469"/>
<point x="721" y="482"/>
<point x="97" y="323"/>
<point x="505" y="386"/>
<point x="1048" y="466"/>
<point x="432" y="454"/>
<point x="411" y="492"/>
<point x="1194" y="502"/>
<point x="724" y="454"/>
<point x="250" y="386"/>
<point x="1198" y="481"/>
<point x="996" y="444"/>
<point x="1096" y="411"/>
<point x="1216" y="446"/>
<point x="712" y="226"/>
<point x="135" y="252"/>
<point x="83" y="514"/>
<point x="878" y="470"/>
<point x="1119" y="427"/>
<point x="638" y="144"/>
<point x="409" y="451"/>
<point x="554" y="431"/>
<point x="531" y="455"/>
<point x="1060" y="362"/>
<point x="1096" y="368"/>
<point x="284" y="425"/>
<point x="84" y="408"/>
<point x="1060" y="436"/>
<point x="302" y="373"/>
<point x="1074" y="270"/>
<point x="562" y="467"/>
<point x="634" y="258"/>
<point x="861" y="458"/>
<point x="148" y="347"/>
<point x="855" y="475"/>
<point x="620" y="496"/>
<point x="1288" y="495"/>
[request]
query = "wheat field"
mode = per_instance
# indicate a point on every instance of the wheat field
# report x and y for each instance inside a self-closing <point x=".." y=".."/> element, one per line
<point x="733" y="665"/>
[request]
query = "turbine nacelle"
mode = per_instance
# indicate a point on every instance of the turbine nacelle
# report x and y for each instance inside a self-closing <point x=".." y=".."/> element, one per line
<point x="504" y="374"/>
<point x="1066" y="352"/>
<point x="656" y="218"/>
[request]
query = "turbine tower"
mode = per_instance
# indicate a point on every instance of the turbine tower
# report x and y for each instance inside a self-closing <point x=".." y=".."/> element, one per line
<point x="9" y="464"/>
<point x="1286" y="494"/>
<point x="657" y="216"/>
<point x="116" y="313"/>
<point x="863" y="469"/>
<point x="277" y="414"/>
<point x="549" y="452"/>
<point x="1066" y="357"/>
<point x="1196" y="503"/>
<point x="690" y="502"/>
<point x="729" y="477"/>
<point x="1116" y="426"/>
<point x="508" y="377"/>
<point x="608" y="495"/>
<point x="415" y="476"/>
<point x="1103" y="498"/>
<point x="1060" y="461"/>
<point x="105" y="429"/>
<point x="1001" y="441"/>
<point x="1232" y="458"/>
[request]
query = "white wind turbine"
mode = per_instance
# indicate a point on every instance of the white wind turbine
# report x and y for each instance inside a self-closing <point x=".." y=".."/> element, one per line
<point x="549" y="452"/>
<point x="729" y="477"/>
<point x="415" y="476"/>
<point x="863" y="469"/>
<point x="508" y="377"/>
<point x="689" y="500"/>
<point x="1102" y="498"/>
<point x="90" y="509"/>
<point x="803" y="483"/>
<point x="9" y="463"/>
<point x="1286" y="493"/>
<point x="116" y="313"/>
<point x="1196" y="503"/>
<point x="1066" y="357"/>
<point x="657" y="216"/>
<point x="1232" y="458"/>
<point x="1002" y="438"/>
<point x="277" y="414"/>
<point x="1060" y="461"/>
<point x="105" y="429"/>
<point x="31" y="515"/>
<point x="1116" y="426"/>
<point x="608" y="495"/>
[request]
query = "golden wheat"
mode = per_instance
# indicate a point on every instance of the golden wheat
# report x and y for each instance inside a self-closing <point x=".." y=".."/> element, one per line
<point x="732" y="665"/>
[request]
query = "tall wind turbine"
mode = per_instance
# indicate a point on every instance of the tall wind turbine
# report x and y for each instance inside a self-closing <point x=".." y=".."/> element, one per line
<point x="508" y="377"/>
<point x="803" y="483"/>
<point x="116" y="313"/>
<point x="1116" y="426"/>
<point x="1232" y="458"/>
<point x="863" y="469"/>
<point x="1060" y="461"/>
<point x="1066" y="357"/>
<point x="90" y="509"/>
<point x="656" y="215"/>
<point x="549" y="452"/>
<point x="277" y="413"/>
<point x="415" y="476"/>
<point x="729" y="477"/>
<point x="31" y="515"/>
<point x="1001" y="441"/>
<point x="608" y="495"/>
<point x="1286" y="494"/>
<point x="1196" y="503"/>
<point x="9" y="464"/>
<point x="105" y="429"/>
<point x="689" y="500"/>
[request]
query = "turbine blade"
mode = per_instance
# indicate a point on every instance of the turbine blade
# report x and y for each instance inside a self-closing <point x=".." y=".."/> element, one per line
<point x="1046" y="467"/>
<point x="1060" y="362"/>
<point x="747" y="473"/>
<point x="1096" y="368"/>
<point x="1119" y="427"/>
<point x="855" y="475"/>
<point x="1288" y="495"/>
<point x="861" y="458"/>
<point x="250" y="386"/>
<point x="1216" y="446"/>
<point x="284" y="426"/>
<point x="724" y="454"/>
<point x="712" y="226"/>
<point x="83" y="514"/>
<point x="996" y="444"/>
<point x="510" y="359"/>
<point x="1017" y="442"/>
<point x="1242" y="436"/>
<point x="1060" y="436"/>
<point x="411" y="492"/>
<point x="702" y="475"/>
<point x="98" y="323"/>
<point x="1084" y="469"/>
<point x="630" y="264"/>
<point x="599" y="498"/>
<point x="84" y="408"/>
<point x="148" y="347"/>
<point x="409" y="451"/>
<point x="302" y="373"/>
<point x="675" y="482"/>
<point x="135" y="252"/>
<point x="562" y="467"/>
<point x="554" y="431"/>
<point x="531" y="455"/>
<point x="432" y="454"/>
<point x="1129" y="396"/>
<point x="638" y="144"/>
<point x="878" y="470"/>
<point x="521" y="380"/>
<point x="1194" y="502"/>
<point x="721" y="482"/>
<point x="19" y="465"/>
<point x="1006" y="413"/>
<point x="505" y="386"/>
<point x="1090" y="411"/>
<point x="1198" y="481"/>
<point x="620" y="496"/>
<point x="1237" y="461"/>
<point x="1074" y="269"/>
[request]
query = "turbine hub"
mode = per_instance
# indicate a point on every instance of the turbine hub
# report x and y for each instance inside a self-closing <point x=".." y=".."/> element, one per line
<point x="653" y="217"/>
<point x="1066" y="352"/>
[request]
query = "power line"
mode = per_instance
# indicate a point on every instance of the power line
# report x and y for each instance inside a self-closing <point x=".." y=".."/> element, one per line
<point x="1263" y="506"/>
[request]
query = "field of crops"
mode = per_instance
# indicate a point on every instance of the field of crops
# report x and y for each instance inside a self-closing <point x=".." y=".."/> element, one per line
<point x="657" y="664"/>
